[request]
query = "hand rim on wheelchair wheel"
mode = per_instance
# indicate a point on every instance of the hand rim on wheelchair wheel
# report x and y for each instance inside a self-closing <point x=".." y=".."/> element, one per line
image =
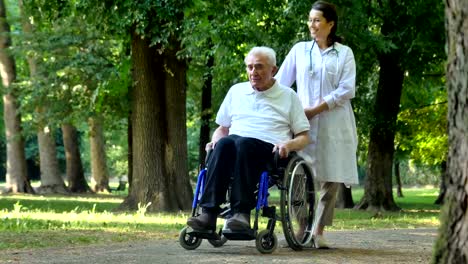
<point x="297" y="203"/>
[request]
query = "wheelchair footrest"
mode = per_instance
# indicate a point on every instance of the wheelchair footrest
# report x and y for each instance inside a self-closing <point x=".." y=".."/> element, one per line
<point x="206" y="234"/>
<point x="248" y="234"/>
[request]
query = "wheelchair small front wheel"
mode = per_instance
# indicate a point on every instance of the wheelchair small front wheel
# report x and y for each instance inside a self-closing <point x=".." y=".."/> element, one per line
<point x="266" y="243"/>
<point x="218" y="242"/>
<point x="188" y="241"/>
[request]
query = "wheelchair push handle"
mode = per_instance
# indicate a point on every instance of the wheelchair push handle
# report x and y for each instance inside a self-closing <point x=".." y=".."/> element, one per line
<point x="278" y="161"/>
<point x="208" y="155"/>
<point x="209" y="149"/>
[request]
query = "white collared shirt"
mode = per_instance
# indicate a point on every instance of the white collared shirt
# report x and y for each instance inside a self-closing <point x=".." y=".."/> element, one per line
<point x="274" y="115"/>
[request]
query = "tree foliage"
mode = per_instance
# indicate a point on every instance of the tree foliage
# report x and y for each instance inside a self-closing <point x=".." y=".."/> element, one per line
<point x="422" y="121"/>
<point x="83" y="71"/>
<point x="84" y="50"/>
<point x="226" y="31"/>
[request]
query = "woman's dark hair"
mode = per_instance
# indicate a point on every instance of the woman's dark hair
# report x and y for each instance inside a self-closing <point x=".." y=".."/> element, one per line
<point x="329" y="13"/>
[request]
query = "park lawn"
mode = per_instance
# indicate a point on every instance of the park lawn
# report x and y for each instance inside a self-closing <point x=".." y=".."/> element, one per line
<point x="35" y="221"/>
<point x="418" y="210"/>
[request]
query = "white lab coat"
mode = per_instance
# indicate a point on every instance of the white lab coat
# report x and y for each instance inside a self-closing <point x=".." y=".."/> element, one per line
<point x="332" y="153"/>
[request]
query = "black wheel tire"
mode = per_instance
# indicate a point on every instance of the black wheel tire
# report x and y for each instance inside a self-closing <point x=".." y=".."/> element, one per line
<point x="218" y="243"/>
<point x="289" y="222"/>
<point x="187" y="241"/>
<point x="265" y="242"/>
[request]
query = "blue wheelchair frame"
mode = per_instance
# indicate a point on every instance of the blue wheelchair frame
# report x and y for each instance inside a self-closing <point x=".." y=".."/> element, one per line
<point x="262" y="203"/>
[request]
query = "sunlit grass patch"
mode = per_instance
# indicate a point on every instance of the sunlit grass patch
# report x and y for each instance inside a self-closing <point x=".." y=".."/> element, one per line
<point x="356" y="219"/>
<point x="82" y="227"/>
<point x="60" y="203"/>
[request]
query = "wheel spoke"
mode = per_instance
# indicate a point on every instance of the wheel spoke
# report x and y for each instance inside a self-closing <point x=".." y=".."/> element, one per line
<point x="297" y="204"/>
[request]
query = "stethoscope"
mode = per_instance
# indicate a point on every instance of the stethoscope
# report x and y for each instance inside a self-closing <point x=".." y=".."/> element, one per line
<point x="333" y="50"/>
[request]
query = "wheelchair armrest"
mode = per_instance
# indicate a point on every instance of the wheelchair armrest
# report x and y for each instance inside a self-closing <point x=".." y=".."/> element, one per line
<point x="279" y="162"/>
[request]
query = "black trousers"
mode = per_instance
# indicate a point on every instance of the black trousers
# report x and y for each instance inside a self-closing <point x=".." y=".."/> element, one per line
<point x="241" y="158"/>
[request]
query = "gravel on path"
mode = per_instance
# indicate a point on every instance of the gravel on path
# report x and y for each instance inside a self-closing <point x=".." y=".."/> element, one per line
<point x="367" y="246"/>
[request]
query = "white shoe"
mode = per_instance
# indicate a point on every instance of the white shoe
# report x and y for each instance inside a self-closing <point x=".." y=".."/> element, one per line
<point x="320" y="242"/>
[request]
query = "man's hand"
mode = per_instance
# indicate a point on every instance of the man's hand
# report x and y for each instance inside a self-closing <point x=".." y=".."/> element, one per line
<point x="219" y="133"/>
<point x="283" y="150"/>
<point x="297" y="143"/>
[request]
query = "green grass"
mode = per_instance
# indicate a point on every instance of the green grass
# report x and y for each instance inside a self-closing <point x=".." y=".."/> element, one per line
<point x="418" y="210"/>
<point x="33" y="221"/>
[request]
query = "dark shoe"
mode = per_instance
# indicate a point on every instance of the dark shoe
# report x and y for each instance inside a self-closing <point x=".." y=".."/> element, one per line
<point x="238" y="221"/>
<point x="205" y="221"/>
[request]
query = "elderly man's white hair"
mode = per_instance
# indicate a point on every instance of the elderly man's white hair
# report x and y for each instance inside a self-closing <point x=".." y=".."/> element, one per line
<point x="266" y="51"/>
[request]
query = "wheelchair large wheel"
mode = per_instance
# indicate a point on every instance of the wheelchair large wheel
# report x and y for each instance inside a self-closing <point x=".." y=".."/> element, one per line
<point x="266" y="243"/>
<point x="297" y="203"/>
<point x="188" y="241"/>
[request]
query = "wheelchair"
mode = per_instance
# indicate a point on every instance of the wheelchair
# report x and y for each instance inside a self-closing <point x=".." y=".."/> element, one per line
<point x="295" y="182"/>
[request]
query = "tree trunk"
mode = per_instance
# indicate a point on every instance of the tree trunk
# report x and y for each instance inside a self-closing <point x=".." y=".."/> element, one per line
<point x="51" y="180"/>
<point x="130" y="152"/>
<point x="99" y="169"/>
<point x="75" y="174"/>
<point x="443" y="184"/>
<point x="206" y="112"/>
<point x="176" y="143"/>
<point x="344" y="197"/>
<point x="16" y="172"/>
<point x="159" y="150"/>
<point x="398" y="179"/>
<point x="452" y="242"/>
<point x="378" y="194"/>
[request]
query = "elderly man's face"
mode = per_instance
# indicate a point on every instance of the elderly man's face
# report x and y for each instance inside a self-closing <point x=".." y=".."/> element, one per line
<point x="260" y="72"/>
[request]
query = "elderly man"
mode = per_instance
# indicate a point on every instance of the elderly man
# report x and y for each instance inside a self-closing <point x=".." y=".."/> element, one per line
<point x="255" y="119"/>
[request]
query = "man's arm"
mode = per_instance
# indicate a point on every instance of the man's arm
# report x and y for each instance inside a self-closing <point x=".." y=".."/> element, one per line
<point x="297" y="143"/>
<point x="219" y="133"/>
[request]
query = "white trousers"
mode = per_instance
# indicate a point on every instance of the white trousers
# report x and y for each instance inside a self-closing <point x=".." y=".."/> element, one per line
<point x="325" y="210"/>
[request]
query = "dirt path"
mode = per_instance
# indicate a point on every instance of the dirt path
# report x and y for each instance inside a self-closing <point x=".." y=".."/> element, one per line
<point x="377" y="246"/>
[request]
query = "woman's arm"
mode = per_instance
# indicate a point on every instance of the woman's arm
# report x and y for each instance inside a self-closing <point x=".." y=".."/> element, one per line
<point x="346" y="85"/>
<point x="313" y="111"/>
<point x="286" y="75"/>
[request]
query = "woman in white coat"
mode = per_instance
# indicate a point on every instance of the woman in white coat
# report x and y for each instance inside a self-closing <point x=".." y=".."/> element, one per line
<point x="325" y="72"/>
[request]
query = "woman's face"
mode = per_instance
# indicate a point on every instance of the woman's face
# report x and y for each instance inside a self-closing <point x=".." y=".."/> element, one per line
<point x="319" y="27"/>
